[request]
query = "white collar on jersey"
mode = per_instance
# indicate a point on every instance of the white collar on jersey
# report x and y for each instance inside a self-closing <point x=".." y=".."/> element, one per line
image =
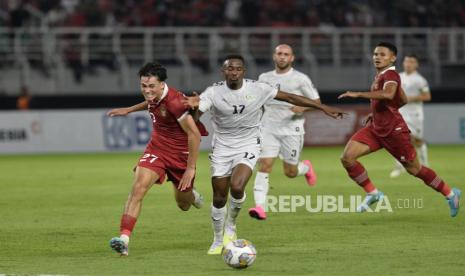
<point x="387" y="69"/>
<point x="163" y="95"/>
<point x="283" y="74"/>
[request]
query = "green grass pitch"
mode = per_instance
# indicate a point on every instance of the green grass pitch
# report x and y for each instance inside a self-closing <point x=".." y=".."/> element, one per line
<point x="58" y="213"/>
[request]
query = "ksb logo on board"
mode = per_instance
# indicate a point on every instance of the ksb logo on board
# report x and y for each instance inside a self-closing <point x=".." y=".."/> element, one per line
<point x="125" y="132"/>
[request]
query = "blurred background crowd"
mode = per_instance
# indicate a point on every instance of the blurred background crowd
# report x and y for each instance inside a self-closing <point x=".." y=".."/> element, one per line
<point x="309" y="13"/>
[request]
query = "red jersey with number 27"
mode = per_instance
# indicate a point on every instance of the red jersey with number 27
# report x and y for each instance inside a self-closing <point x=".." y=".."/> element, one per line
<point x="386" y="116"/>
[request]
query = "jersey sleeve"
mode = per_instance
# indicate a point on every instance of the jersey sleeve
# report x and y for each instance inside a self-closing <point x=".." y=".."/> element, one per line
<point x="177" y="108"/>
<point x="269" y="91"/>
<point x="391" y="76"/>
<point x="424" y="87"/>
<point x="308" y="89"/>
<point x="206" y="100"/>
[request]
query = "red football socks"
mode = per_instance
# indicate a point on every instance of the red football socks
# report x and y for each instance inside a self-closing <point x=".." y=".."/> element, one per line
<point x="127" y="224"/>
<point x="358" y="173"/>
<point x="431" y="179"/>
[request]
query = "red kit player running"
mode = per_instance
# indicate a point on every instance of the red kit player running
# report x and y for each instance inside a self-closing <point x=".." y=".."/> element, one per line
<point x="172" y="151"/>
<point x="387" y="129"/>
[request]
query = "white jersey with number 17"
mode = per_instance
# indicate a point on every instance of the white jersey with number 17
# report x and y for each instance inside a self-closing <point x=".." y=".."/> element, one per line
<point x="236" y="114"/>
<point x="278" y="118"/>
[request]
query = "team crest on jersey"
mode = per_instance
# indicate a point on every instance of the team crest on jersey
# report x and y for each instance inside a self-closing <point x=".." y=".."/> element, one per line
<point x="163" y="111"/>
<point x="250" y="98"/>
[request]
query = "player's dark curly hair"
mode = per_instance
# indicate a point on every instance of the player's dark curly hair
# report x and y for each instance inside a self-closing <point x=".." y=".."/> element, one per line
<point x="234" y="56"/>
<point x="153" y="69"/>
<point x="388" y="45"/>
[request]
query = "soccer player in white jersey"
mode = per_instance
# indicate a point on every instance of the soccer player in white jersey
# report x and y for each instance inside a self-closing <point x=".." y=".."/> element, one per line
<point x="236" y="108"/>
<point x="417" y="90"/>
<point x="283" y="127"/>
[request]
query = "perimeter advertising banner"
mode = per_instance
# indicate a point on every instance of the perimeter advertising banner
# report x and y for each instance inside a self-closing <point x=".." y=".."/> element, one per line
<point x="90" y="130"/>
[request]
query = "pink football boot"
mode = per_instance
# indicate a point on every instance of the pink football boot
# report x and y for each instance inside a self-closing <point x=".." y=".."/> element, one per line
<point x="310" y="176"/>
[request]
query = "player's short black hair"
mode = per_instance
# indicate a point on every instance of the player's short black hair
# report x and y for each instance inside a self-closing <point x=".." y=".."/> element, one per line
<point x="388" y="45"/>
<point x="153" y="69"/>
<point x="411" y="55"/>
<point x="234" y="56"/>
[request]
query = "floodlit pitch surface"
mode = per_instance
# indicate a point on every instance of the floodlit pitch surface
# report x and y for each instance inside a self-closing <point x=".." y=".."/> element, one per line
<point x="58" y="213"/>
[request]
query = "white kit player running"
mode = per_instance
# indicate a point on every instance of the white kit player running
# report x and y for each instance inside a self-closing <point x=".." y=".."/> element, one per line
<point x="417" y="91"/>
<point x="236" y="108"/>
<point x="283" y="127"/>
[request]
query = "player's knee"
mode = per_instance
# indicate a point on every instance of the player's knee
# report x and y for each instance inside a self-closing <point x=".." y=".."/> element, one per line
<point x="347" y="161"/>
<point x="184" y="206"/>
<point x="412" y="168"/>
<point x="138" y="191"/>
<point x="219" y="201"/>
<point x="291" y="173"/>
<point x="237" y="190"/>
<point x="265" y="168"/>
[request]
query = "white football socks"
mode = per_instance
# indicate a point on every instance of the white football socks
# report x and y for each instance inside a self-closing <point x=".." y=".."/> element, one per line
<point x="235" y="206"/>
<point x="218" y="218"/>
<point x="260" y="188"/>
<point x="302" y="168"/>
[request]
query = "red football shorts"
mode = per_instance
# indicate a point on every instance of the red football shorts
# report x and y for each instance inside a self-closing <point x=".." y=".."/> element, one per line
<point x="164" y="164"/>
<point x="397" y="143"/>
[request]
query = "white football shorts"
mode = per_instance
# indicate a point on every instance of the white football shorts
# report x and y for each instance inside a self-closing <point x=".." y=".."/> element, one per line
<point x="287" y="147"/>
<point x="223" y="160"/>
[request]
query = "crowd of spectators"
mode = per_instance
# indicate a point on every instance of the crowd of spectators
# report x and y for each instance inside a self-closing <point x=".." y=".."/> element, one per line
<point x="275" y="13"/>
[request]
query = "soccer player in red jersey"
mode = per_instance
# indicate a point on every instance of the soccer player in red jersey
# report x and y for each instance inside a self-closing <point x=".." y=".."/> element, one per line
<point x="387" y="129"/>
<point x="172" y="151"/>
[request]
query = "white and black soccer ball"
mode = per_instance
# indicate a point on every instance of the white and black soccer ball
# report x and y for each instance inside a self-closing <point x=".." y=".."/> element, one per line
<point x="239" y="253"/>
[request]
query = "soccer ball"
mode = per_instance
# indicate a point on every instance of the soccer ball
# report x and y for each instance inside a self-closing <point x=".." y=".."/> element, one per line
<point x="239" y="253"/>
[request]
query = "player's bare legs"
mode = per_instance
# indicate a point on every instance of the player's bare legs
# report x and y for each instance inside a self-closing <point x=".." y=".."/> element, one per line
<point x="239" y="178"/>
<point x="304" y="168"/>
<point x="265" y="165"/>
<point x="431" y="179"/>
<point x="357" y="172"/>
<point x="143" y="181"/>
<point x="223" y="219"/>
<point x="184" y="199"/>
<point x="290" y="170"/>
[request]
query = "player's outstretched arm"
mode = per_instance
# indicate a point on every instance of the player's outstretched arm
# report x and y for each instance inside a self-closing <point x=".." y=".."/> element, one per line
<point x="300" y="109"/>
<point x="193" y="138"/>
<point x="387" y="93"/>
<point x="123" y="111"/>
<point x="306" y="102"/>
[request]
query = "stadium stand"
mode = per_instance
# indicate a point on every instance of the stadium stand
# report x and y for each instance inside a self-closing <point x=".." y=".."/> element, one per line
<point x="71" y="47"/>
